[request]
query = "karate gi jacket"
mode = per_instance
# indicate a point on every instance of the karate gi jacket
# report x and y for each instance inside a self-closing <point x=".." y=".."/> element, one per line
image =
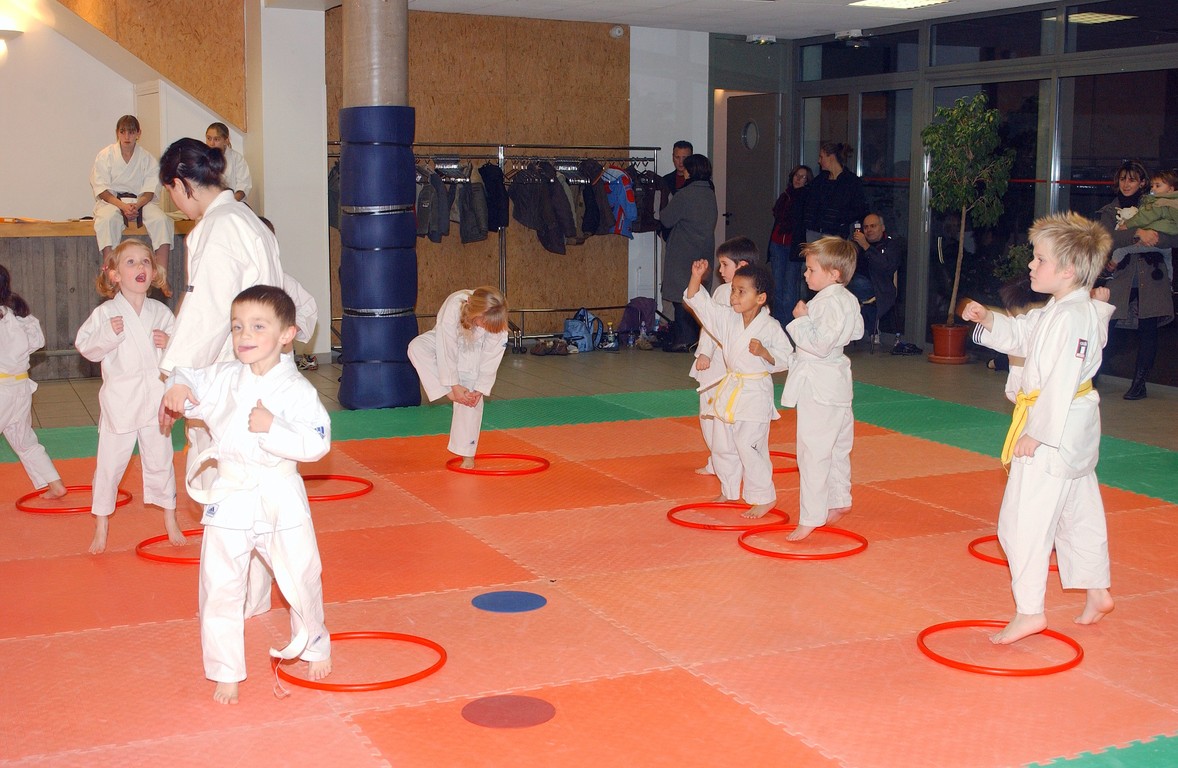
<point x="131" y="390"/>
<point x="710" y="347"/>
<point x="140" y="175"/>
<point x="1063" y="345"/>
<point x="819" y="363"/>
<point x="746" y="391"/>
<point x="229" y="250"/>
<point x="470" y="360"/>
<point x="19" y="337"/>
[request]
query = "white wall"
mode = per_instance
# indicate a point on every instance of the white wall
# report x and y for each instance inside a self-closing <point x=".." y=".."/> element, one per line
<point x="668" y="102"/>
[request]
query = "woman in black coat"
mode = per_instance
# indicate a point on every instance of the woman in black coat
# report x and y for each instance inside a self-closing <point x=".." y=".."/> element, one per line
<point x="691" y="216"/>
<point x="836" y="199"/>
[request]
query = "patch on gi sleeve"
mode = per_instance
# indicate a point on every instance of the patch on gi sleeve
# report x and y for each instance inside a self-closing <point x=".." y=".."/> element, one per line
<point x="1082" y="349"/>
<point x="211" y="510"/>
<point x="188" y="288"/>
<point x="322" y="430"/>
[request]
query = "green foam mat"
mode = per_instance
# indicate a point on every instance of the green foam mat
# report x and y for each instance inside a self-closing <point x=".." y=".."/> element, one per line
<point x="866" y="394"/>
<point x="391" y="422"/>
<point x="657" y="405"/>
<point x="1153" y="474"/>
<point x="920" y="417"/>
<point x="1162" y="752"/>
<point x="551" y="411"/>
<point x="986" y="439"/>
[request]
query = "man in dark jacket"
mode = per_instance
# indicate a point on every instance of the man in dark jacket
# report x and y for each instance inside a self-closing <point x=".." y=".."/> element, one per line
<point x="874" y="283"/>
<point x="673" y="182"/>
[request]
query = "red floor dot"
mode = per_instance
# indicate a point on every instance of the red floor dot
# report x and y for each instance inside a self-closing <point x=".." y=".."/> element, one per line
<point x="508" y="711"/>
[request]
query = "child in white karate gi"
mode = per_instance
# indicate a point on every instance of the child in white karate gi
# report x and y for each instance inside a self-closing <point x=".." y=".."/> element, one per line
<point x="21" y="334"/>
<point x="754" y="346"/>
<point x="1052" y="496"/>
<point x="237" y="172"/>
<point x="128" y="335"/>
<point x="459" y="358"/>
<point x="708" y="367"/>
<point x="264" y="417"/>
<point x="819" y="383"/>
<point x="125" y="183"/>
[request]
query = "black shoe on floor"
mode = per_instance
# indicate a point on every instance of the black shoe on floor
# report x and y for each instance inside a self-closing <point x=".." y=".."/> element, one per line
<point x="675" y="348"/>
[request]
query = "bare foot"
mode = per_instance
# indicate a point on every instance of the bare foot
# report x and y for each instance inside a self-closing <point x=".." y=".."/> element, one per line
<point x="317" y="670"/>
<point x="1099" y="603"/>
<point x="1022" y="625"/>
<point x="757" y="510"/>
<point x="801" y="532"/>
<point x="55" y="490"/>
<point x="225" y="693"/>
<point x="705" y="470"/>
<point x="834" y="515"/>
<point x="175" y="535"/>
<point x="101" y="526"/>
<point x="468" y="462"/>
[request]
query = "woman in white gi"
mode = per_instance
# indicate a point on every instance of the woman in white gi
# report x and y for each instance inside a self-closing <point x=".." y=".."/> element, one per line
<point x="459" y="358"/>
<point x="819" y="383"/>
<point x="754" y="347"/>
<point x="125" y="182"/>
<point x="229" y="250"/>
<point x="127" y="335"/>
<point x="1052" y="497"/>
<point x="264" y="417"/>
<point x="20" y="334"/>
<point x="237" y="172"/>
<point x="708" y="367"/>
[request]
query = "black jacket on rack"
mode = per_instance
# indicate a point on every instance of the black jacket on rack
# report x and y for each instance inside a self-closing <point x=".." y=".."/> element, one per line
<point x="532" y="207"/>
<point x="497" y="208"/>
<point x="646" y="188"/>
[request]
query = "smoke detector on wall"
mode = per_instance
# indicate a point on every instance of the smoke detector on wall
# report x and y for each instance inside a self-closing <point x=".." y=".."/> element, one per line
<point x="760" y="39"/>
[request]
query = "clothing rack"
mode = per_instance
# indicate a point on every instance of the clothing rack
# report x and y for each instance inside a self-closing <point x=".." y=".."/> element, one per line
<point x="447" y="158"/>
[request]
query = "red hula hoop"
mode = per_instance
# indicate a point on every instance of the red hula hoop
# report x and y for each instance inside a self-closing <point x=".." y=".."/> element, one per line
<point x="379" y="685"/>
<point x="862" y="545"/>
<point x="784" y="455"/>
<point x="753" y="523"/>
<point x="998" y="671"/>
<point x="454" y="464"/>
<point x="973" y="550"/>
<point x="122" y="499"/>
<point x="142" y="551"/>
<point x="365" y="487"/>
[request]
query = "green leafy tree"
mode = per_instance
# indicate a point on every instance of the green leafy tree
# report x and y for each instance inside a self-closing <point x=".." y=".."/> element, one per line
<point x="968" y="172"/>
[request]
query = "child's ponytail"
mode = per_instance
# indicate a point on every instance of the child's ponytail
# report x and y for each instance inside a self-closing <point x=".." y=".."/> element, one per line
<point x="8" y="299"/>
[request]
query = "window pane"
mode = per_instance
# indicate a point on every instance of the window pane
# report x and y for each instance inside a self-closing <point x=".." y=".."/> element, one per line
<point x="873" y="55"/>
<point x="1121" y="24"/>
<point x="824" y="118"/>
<point x="985" y="248"/>
<point x="996" y="38"/>
<point x="885" y="133"/>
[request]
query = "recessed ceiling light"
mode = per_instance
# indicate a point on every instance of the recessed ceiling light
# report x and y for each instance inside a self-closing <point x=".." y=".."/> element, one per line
<point x="902" y="5"/>
<point x="1096" y="18"/>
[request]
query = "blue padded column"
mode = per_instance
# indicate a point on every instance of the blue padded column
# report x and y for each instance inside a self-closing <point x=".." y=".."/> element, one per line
<point x="378" y="265"/>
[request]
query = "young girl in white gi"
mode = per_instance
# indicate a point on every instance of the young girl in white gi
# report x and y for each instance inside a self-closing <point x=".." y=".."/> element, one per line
<point x="459" y="358"/>
<point x="264" y="417"/>
<point x="20" y="334"/>
<point x="754" y="346"/>
<point x="125" y="183"/>
<point x="127" y="335"/>
<point x="819" y="383"/>
<point x="1052" y="496"/>
<point x="237" y="172"/>
<point x="708" y="368"/>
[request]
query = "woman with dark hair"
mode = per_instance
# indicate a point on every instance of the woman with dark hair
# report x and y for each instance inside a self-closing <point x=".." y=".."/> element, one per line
<point x="1139" y="285"/>
<point x="835" y="200"/>
<point x="786" y="240"/>
<point x="229" y="250"/>
<point x="691" y="216"/>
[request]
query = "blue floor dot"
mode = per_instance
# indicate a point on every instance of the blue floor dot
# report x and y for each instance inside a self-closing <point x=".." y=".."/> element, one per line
<point x="509" y="601"/>
<point x="508" y="711"/>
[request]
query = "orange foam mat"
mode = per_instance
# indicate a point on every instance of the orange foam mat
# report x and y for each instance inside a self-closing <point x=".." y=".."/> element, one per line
<point x="609" y="440"/>
<point x="747" y="606"/>
<point x="140" y="683"/>
<point x="487" y="652"/>
<point x="310" y="742"/>
<point x="404" y="455"/>
<point x="385" y="504"/>
<point x="670" y="475"/>
<point x="579" y="542"/>
<point x="880" y="515"/>
<point x="660" y="718"/>
<point x="1146" y="539"/>
<point x="83" y="591"/>
<point x="427" y="557"/>
<point x="891" y="456"/>
<point x="561" y="486"/>
<point x="881" y="703"/>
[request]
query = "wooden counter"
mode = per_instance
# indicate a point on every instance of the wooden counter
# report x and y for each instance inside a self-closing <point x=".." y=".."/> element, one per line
<point x="53" y="267"/>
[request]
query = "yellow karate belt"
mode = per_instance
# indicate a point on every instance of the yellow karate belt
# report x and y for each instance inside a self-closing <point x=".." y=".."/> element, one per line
<point x="1018" y="420"/>
<point x="16" y="376"/>
<point x="736" y="382"/>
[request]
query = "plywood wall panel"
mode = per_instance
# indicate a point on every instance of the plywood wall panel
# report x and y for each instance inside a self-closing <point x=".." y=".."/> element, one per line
<point x="488" y="79"/>
<point x="202" y="50"/>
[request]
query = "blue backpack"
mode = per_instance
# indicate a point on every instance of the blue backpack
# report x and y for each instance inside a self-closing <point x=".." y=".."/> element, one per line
<point x="585" y="330"/>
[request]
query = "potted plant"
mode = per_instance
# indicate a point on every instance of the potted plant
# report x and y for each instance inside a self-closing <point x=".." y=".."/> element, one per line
<point x="968" y="174"/>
